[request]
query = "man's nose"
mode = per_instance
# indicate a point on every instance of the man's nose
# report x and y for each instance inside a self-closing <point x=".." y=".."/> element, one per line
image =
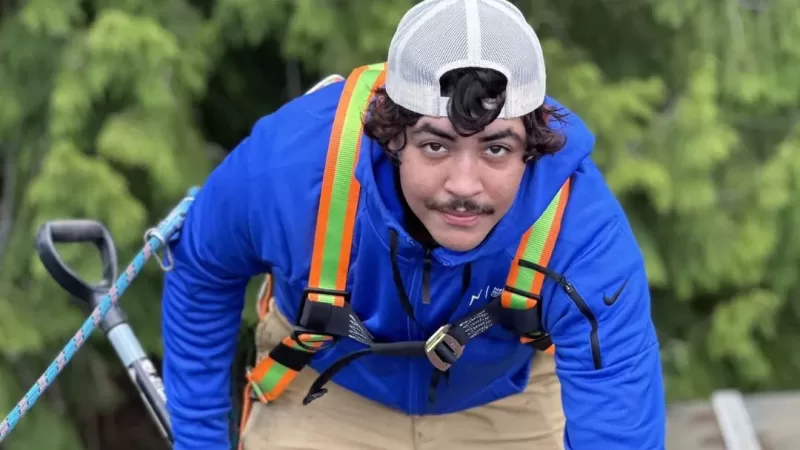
<point x="463" y="179"/>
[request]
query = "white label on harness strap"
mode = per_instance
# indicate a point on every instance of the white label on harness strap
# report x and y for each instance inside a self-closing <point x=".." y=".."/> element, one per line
<point x="477" y="324"/>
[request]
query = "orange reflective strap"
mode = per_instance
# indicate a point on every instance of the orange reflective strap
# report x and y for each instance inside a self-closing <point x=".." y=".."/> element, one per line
<point x="340" y="189"/>
<point x="333" y="238"/>
<point x="537" y="245"/>
<point x="270" y="378"/>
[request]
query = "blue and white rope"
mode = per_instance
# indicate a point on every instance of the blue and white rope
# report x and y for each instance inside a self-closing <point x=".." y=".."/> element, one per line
<point x="155" y="239"/>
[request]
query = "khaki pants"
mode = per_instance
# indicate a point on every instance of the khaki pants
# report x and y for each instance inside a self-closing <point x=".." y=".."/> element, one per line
<point x="532" y="420"/>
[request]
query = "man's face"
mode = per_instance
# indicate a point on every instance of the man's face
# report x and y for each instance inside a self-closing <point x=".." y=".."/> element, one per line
<point x="460" y="187"/>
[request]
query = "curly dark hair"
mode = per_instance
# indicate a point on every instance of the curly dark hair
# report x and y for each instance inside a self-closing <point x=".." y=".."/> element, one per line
<point x="468" y="89"/>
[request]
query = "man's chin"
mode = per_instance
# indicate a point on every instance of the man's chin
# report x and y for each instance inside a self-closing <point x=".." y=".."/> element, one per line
<point x="461" y="240"/>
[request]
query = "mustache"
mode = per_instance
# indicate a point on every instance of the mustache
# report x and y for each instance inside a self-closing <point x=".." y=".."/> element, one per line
<point x="465" y="204"/>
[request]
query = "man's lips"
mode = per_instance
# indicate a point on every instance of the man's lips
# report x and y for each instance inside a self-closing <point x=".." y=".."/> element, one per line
<point x="460" y="219"/>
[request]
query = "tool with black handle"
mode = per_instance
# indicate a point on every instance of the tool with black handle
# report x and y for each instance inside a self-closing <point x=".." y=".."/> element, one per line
<point x="101" y="299"/>
<point x="115" y="324"/>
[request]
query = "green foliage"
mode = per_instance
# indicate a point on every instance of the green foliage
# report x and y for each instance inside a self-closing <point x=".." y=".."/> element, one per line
<point x="110" y="109"/>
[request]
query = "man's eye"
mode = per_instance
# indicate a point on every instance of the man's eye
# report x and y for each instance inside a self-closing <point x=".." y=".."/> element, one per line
<point x="433" y="147"/>
<point x="497" y="150"/>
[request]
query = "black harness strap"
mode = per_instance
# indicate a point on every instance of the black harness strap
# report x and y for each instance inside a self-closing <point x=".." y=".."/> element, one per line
<point x="442" y="349"/>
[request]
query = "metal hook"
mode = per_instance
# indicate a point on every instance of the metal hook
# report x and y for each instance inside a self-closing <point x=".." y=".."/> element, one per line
<point x="170" y="263"/>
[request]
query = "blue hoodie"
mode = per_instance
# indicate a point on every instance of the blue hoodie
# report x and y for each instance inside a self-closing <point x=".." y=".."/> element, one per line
<point x="257" y="211"/>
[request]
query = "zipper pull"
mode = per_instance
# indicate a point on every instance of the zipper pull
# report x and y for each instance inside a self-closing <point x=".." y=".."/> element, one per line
<point x="427" y="263"/>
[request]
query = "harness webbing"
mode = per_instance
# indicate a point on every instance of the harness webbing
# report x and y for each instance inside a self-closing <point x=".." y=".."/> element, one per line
<point x="333" y="238"/>
<point x="340" y="189"/>
<point x="537" y="245"/>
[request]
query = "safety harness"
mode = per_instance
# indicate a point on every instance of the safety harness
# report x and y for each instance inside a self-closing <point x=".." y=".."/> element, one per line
<point x="325" y="314"/>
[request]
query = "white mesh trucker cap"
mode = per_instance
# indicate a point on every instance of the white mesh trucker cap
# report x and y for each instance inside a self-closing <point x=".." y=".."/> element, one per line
<point x="436" y="36"/>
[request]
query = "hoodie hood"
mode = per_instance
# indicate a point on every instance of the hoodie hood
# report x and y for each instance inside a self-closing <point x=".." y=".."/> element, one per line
<point x="540" y="183"/>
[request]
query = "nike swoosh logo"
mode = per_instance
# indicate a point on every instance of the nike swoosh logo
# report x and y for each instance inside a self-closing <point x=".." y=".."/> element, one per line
<point x="611" y="300"/>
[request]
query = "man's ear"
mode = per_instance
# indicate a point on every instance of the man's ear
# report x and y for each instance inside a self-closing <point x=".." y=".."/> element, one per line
<point x="395" y="156"/>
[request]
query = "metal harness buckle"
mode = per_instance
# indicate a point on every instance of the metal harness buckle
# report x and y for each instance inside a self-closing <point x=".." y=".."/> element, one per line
<point x="451" y="345"/>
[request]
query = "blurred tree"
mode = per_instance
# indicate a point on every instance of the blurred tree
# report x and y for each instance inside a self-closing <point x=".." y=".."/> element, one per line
<point x="98" y="104"/>
<point x="110" y="109"/>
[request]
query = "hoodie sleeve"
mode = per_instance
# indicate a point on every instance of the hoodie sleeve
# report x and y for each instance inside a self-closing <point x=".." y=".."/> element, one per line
<point x="215" y="256"/>
<point x="607" y="355"/>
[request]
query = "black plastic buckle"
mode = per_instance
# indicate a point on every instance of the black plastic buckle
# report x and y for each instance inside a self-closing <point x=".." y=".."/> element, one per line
<point x="447" y="343"/>
<point x="310" y="290"/>
<point x="314" y="290"/>
<point x="298" y="328"/>
<point x="539" y="340"/>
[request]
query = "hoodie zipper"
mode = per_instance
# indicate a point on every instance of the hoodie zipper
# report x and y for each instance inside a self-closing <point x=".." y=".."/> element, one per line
<point x="427" y="264"/>
<point x="423" y="401"/>
<point x="420" y="392"/>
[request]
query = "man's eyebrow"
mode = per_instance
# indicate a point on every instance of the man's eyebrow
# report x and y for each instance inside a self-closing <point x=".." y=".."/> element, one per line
<point x="507" y="133"/>
<point x="428" y="128"/>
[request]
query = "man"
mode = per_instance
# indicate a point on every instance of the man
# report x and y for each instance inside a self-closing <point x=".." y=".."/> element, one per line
<point x="452" y="271"/>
